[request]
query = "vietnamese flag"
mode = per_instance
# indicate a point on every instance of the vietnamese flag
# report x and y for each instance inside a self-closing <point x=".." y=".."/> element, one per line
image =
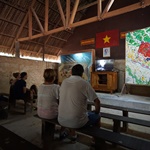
<point x="107" y="39"/>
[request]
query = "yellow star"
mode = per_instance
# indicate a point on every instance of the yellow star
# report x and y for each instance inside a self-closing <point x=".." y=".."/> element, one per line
<point x="106" y="39"/>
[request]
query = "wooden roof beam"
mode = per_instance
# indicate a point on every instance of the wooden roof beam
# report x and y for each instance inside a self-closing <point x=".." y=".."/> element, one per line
<point x="108" y="6"/>
<point x="38" y="20"/>
<point x="30" y="23"/>
<point x="46" y="15"/>
<point x="41" y="34"/>
<point x="99" y="8"/>
<point x="92" y="19"/>
<point x="127" y="9"/>
<point x="61" y="13"/>
<point x="22" y="25"/>
<point x="73" y="12"/>
<point x="67" y="12"/>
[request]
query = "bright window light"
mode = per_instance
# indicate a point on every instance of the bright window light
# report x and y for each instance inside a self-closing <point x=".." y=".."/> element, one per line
<point x="6" y="54"/>
<point x="32" y="58"/>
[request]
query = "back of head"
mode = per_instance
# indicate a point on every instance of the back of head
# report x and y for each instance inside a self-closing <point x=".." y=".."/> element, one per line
<point x="23" y="74"/>
<point x="49" y="75"/>
<point x="34" y="87"/>
<point x="77" y="70"/>
<point x="16" y="74"/>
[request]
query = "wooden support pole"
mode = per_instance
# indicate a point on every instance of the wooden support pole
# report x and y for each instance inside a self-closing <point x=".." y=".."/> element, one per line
<point x="67" y="12"/>
<point x="46" y="15"/>
<point x="17" y="49"/>
<point x="99" y="8"/>
<point x="30" y="23"/>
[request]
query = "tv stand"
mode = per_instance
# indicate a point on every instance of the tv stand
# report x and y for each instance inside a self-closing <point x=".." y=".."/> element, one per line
<point x="104" y="81"/>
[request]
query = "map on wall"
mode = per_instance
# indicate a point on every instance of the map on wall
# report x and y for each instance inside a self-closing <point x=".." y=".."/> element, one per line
<point x="138" y="57"/>
<point x="68" y="61"/>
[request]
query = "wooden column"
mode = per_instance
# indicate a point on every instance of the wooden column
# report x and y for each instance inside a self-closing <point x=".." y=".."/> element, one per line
<point x="17" y="49"/>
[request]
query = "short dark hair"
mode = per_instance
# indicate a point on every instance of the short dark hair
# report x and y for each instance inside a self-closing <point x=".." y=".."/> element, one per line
<point x="23" y="74"/>
<point x="16" y="74"/>
<point x="77" y="70"/>
<point x="49" y="75"/>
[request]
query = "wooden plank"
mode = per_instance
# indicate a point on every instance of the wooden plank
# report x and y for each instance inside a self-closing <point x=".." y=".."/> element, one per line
<point x="133" y="110"/>
<point x="107" y="135"/>
<point x="126" y="119"/>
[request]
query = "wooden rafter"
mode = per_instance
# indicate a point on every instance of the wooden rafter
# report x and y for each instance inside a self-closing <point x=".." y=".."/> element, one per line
<point x="67" y="12"/>
<point x="38" y="20"/>
<point x="105" y="14"/>
<point x="108" y="6"/>
<point x="30" y="23"/>
<point x="61" y="12"/>
<point x="22" y="25"/>
<point x="74" y="12"/>
<point x="99" y="8"/>
<point x="46" y="15"/>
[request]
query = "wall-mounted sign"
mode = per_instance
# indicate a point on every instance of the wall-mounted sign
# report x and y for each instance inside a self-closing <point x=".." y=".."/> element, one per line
<point x="88" y="42"/>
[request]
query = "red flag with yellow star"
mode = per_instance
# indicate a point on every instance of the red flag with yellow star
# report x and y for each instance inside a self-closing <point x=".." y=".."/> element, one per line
<point x="107" y="39"/>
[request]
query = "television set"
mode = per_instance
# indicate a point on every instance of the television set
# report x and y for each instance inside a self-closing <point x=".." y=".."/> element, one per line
<point x="104" y="65"/>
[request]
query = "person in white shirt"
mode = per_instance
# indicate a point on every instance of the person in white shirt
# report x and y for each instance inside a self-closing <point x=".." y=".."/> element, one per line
<point x="48" y="94"/>
<point x="72" y="109"/>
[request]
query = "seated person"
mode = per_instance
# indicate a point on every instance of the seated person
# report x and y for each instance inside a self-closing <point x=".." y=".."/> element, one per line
<point x="48" y="94"/>
<point x="33" y="91"/>
<point x="72" y="110"/>
<point x="16" y="75"/>
<point x="20" y="90"/>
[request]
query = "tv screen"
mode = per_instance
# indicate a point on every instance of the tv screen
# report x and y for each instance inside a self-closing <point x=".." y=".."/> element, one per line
<point x="104" y="65"/>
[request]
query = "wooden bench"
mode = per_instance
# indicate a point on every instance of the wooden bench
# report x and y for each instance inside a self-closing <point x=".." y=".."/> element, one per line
<point x="117" y="120"/>
<point x="101" y="135"/>
<point x="124" y="110"/>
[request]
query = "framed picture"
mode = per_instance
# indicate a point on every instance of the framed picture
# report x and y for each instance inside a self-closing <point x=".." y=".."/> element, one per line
<point x="86" y="58"/>
<point x="106" y="52"/>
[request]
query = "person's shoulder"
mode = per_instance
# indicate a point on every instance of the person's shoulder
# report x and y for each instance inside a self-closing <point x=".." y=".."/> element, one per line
<point x="56" y="85"/>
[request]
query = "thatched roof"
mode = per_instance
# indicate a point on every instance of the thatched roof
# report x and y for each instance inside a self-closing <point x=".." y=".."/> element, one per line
<point x="38" y="27"/>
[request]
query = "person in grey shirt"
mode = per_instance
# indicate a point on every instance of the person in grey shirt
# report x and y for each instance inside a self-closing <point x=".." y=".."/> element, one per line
<point x="72" y="109"/>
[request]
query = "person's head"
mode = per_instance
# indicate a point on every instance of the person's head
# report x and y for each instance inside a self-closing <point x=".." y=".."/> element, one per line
<point x="16" y="75"/>
<point x="33" y="88"/>
<point x="77" y="70"/>
<point x="23" y="75"/>
<point x="49" y="75"/>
